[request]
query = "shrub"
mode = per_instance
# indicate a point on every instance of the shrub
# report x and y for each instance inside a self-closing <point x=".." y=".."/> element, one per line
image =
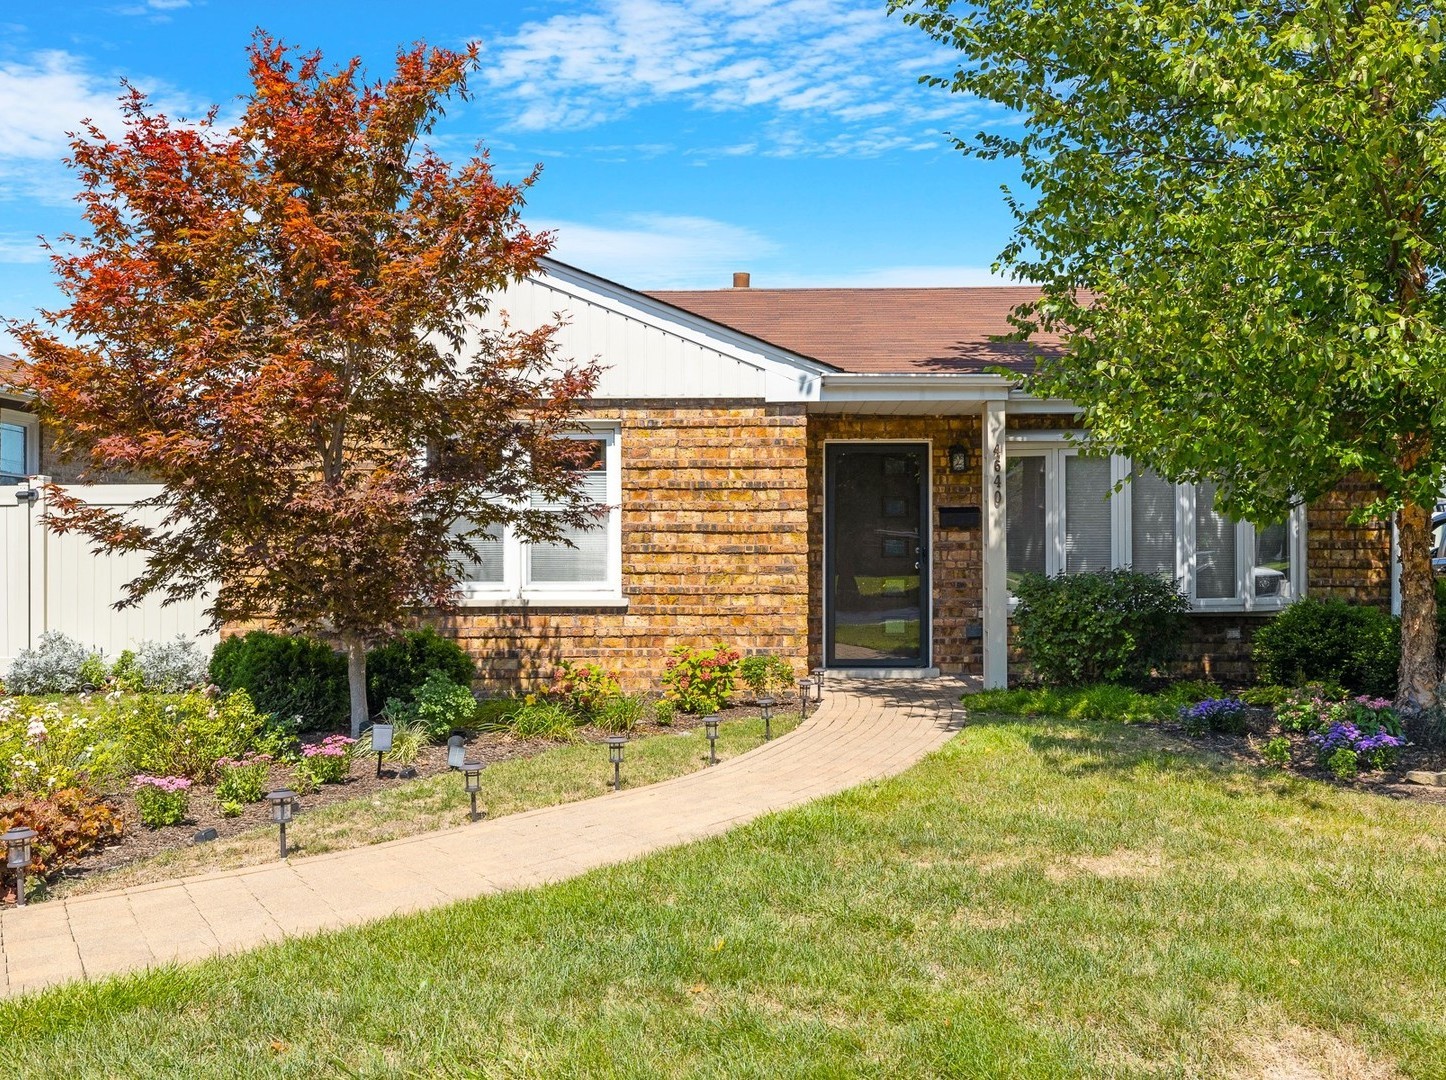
<point x="168" y="667"/>
<point x="162" y="800"/>
<point x="125" y="673"/>
<point x="701" y="680"/>
<point x="71" y="822"/>
<point x="187" y="734"/>
<point x="1356" y="646"/>
<point x="328" y="761"/>
<point x="1277" y="752"/>
<point x="492" y="710"/>
<point x="621" y="712"/>
<point x="1226" y="716"/>
<point x="242" y="780"/>
<point x="439" y="705"/>
<point x="541" y="720"/>
<point x="1111" y="626"/>
<point x="298" y="681"/>
<point x="582" y="686"/>
<point x="400" y="665"/>
<point x="663" y="711"/>
<point x="57" y="665"/>
<point x="1342" y="763"/>
<point x="765" y="674"/>
<point x="94" y="673"/>
<point x="46" y="747"/>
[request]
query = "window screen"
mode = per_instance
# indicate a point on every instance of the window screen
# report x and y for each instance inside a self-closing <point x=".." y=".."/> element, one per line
<point x="1024" y="516"/>
<point x="1152" y="524"/>
<point x="1214" y="547"/>
<point x="1086" y="514"/>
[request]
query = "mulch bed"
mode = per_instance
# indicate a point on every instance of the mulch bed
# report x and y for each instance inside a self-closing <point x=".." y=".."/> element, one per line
<point x="141" y="842"/>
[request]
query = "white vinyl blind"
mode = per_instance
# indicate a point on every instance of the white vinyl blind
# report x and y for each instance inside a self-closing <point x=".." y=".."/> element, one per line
<point x="1025" y="535"/>
<point x="1087" y="540"/>
<point x="485" y="565"/>
<point x="1214" y="547"/>
<point x="1152" y="524"/>
<point x="587" y="560"/>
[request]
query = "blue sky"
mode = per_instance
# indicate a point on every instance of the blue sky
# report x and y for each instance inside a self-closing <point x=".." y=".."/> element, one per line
<point x="680" y="139"/>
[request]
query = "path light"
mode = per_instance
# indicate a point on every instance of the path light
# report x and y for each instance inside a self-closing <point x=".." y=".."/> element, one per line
<point x="472" y="776"/>
<point x="17" y="857"/>
<point x="280" y="801"/>
<point x="381" y="741"/>
<point x="615" y="755"/>
<point x="766" y="704"/>
<point x="456" y="752"/>
<point x="805" y="689"/>
<point x="818" y="674"/>
<point x="710" y="726"/>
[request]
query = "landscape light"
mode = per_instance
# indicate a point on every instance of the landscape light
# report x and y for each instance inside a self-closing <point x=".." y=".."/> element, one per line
<point x="710" y="726"/>
<point x="805" y="691"/>
<point x="615" y="755"/>
<point x="456" y="752"/>
<point x="472" y="779"/>
<point x="818" y="674"/>
<point x="17" y="857"/>
<point x="281" y="801"/>
<point x="381" y="741"/>
<point x="766" y="704"/>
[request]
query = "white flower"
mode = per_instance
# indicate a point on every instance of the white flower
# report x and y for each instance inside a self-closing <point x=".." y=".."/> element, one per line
<point x="37" y="731"/>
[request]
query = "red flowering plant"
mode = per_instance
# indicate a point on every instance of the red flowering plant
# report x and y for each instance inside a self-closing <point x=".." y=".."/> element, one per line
<point x="582" y="686"/>
<point x="701" y="680"/>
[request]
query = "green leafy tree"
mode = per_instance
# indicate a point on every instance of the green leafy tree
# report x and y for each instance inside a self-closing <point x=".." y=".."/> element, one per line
<point x="277" y="321"/>
<point x="1236" y="215"/>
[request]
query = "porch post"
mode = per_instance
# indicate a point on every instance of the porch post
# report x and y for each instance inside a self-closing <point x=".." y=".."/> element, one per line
<point x="996" y="581"/>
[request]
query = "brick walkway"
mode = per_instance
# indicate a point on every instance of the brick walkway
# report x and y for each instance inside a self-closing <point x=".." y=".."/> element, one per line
<point x="862" y="731"/>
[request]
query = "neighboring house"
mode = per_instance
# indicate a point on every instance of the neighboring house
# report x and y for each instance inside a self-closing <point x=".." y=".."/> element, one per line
<point x="838" y="476"/>
<point x="19" y="433"/>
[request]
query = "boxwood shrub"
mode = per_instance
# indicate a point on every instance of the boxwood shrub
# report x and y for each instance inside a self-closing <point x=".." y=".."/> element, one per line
<point x="288" y="676"/>
<point x="1357" y="646"/>
<point x="399" y="666"/>
<point x="1112" y="626"/>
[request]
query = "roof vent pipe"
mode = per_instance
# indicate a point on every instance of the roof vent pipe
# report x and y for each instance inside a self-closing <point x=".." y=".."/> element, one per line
<point x="740" y="279"/>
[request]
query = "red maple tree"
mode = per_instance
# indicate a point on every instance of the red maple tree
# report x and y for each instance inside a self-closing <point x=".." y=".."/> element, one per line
<point x="279" y="322"/>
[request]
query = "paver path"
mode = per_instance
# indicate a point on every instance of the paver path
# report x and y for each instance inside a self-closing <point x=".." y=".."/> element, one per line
<point x="863" y="730"/>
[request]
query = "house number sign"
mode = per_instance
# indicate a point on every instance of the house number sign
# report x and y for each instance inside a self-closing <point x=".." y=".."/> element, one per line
<point x="998" y="475"/>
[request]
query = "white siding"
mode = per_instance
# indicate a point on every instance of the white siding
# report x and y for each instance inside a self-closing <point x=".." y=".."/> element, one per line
<point x="55" y="583"/>
<point x="647" y="349"/>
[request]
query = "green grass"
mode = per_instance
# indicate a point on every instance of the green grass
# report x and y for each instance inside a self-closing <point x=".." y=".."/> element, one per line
<point x="564" y="774"/>
<point x="1038" y="899"/>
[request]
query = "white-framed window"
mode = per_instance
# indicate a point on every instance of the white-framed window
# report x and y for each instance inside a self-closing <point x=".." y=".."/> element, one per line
<point x="505" y="569"/>
<point x="1062" y="516"/>
<point x="19" y="446"/>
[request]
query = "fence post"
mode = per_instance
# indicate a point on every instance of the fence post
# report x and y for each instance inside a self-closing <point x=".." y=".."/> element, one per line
<point x="39" y="616"/>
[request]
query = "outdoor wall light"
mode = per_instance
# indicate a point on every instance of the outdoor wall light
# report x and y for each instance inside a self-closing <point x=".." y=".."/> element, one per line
<point x="381" y="741"/>
<point x="710" y="727"/>
<point x="958" y="458"/>
<point x="805" y="691"/>
<point x="456" y="752"/>
<point x="615" y="755"/>
<point x="17" y="857"/>
<point x="818" y="674"/>
<point x="472" y="780"/>
<point x="280" y="801"/>
<point x="766" y="704"/>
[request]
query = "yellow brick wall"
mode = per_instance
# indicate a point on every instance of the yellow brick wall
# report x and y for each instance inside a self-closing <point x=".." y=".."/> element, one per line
<point x="714" y="547"/>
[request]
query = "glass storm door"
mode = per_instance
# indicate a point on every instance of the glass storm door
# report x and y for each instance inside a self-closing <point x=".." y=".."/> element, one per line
<point x="876" y="559"/>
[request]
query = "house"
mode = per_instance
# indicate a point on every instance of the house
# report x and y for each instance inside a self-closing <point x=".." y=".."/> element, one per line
<point x="19" y="433"/>
<point x="844" y="477"/>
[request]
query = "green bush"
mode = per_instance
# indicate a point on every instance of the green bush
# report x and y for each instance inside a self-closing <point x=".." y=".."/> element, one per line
<point x="582" y="686"/>
<point x="186" y="734"/>
<point x="1112" y="626"/>
<point x="700" y="680"/>
<point x="1101" y="702"/>
<point x="439" y="705"/>
<point x="1330" y="640"/>
<point x="1277" y="752"/>
<point x="766" y="674"/>
<point x="398" y="666"/>
<point x="299" y="681"/>
<point x="620" y="712"/>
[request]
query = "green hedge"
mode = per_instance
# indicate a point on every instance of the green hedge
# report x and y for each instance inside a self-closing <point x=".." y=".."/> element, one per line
<point x="1312" y="640"/>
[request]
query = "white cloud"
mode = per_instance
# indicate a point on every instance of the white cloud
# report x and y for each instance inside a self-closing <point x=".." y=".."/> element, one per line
<point x="820" y="68"/>
<point x="17" y="248"/>
<point x="660" y="251"/>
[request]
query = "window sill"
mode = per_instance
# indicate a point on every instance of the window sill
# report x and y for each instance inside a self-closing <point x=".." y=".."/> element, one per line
<point x="557" y="600"/>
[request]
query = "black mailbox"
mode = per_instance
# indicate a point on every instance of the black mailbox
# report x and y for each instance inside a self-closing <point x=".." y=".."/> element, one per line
<point x="960" y="517"/>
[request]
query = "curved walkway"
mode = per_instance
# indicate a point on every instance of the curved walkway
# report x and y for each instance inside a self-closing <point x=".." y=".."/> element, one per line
<point x="861" y="732"/>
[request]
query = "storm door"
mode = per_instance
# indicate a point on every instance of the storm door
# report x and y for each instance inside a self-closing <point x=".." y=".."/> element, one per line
<point x="876" y="558"/>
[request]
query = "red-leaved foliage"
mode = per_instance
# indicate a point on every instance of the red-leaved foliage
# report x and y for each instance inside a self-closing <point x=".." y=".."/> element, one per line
<point x="70" y="821"/>
<point x="279" y="322"/>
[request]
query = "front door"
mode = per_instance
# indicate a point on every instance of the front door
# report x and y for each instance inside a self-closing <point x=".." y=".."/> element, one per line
<point x="876" y="559"/>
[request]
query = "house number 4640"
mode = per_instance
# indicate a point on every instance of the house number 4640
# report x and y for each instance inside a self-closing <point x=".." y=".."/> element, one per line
<point x="998" y="476"/>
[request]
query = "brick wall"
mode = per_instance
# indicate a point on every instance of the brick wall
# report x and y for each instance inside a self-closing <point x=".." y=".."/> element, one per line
<point x="714" y="547"/>
<point x="1345" y="561"/>
<point x="957" y="554"/>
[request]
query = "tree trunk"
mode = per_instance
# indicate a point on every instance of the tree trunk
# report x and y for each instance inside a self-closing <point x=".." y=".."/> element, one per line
<point x="356" y="677"/>
<point x="1419" y="682"/>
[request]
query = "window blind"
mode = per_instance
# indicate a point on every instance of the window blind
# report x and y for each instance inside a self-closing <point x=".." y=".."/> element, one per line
<point x="1086" y="514"/>
<point x="1024" y="515"/>
<point x="587" y="560"/>
<point x="1152" y="524"/>
<point x="1214" y="547"/>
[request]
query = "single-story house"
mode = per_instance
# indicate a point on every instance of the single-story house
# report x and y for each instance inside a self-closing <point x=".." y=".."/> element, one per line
<point x="845" y="478"/>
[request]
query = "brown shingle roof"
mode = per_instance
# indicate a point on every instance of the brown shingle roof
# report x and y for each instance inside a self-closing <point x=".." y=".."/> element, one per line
<point x="877" y="331"/>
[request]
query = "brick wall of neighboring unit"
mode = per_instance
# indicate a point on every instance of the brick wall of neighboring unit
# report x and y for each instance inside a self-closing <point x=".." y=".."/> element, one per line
<point x="1345" y="561"/>
<point x="714" y="547"/>
<point x="958" y="554"/>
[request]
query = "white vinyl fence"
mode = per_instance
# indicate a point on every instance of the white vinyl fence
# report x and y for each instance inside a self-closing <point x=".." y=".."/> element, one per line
<point x="54" y="582"/>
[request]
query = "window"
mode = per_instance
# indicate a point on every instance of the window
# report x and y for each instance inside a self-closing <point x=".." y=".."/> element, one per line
<point x="18" y="446"/>
<point x="1061" y="516"/>
<point x="504" y="569"/>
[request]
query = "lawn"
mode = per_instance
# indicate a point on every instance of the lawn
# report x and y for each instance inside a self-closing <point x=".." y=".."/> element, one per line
<point x="564" y="774"/>
<point x="1037" y="899"/>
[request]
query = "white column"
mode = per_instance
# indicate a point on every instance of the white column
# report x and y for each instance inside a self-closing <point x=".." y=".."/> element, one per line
<point x="996" y="580"/>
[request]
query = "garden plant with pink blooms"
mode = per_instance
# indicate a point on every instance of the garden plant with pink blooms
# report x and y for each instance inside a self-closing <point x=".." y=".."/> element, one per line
<point x="161" y="800"/>
<point x="328" y="761"/>
<point x="700" y="680"/>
